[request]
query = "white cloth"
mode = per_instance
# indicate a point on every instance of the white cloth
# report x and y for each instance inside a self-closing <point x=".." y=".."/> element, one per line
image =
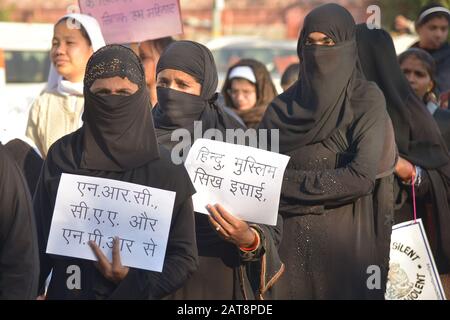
<point x="94" y="32"/>
<point x="432" y="107"/>
<point x="432" y="10"/>
<point x="243" y="72"/>
<point x="67" y="88"/>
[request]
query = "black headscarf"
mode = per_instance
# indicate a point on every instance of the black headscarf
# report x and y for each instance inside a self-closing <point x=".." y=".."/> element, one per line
<point x="177" y="109"/>
<point x="331" y="83"/>
<point x="118" y="130"/>
<point x="416" y="133"/>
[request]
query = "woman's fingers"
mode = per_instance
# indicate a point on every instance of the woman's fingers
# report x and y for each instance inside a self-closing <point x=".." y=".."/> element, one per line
<point x="230" y="227"/>
<point x="218" y="222"/>
<point x="103" y="264"/>
<point x="228" y="217"/>
<point x="116" y="261"/>
<point x="218" y="227"/>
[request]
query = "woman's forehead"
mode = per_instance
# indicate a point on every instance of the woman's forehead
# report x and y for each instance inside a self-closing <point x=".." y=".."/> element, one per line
<point x="241" y="82"/>
<point x="64" y="29"/>
<point x="414" y="62"/>
<point x="175" y="73"/>
<point x="438" y="20"/>
<point x="318" y="35"/>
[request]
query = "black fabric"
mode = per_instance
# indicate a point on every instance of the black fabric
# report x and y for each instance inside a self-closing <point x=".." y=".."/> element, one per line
<point x="331" y="229"/>
<point x="442" y="118"/>
<point x="384" y="217"/>
<point x="442" y="58"/>
<point x="194" y="59"/>
<point x="118" y="130"/>
<point x="181" y="255"/>
<point x="29" y="162"/>
<point x="319" y="103"/>
<point x="114" y="61"/>
<point x="417" y="136"/>
<point x="19" y="258"/>
<point x="334" y="130"/>
<point x="177" y="109"/>
<point x="68" y="155"/>
<point x="224" y="271"/>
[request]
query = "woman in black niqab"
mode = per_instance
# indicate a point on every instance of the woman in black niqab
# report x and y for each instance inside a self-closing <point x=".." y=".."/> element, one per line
<point x="418" y="139"/>
<point x="332" y="124"/>
<point x="177" y="109"/>
<point x="225" y="271"/>
<point x="117" y="141"/>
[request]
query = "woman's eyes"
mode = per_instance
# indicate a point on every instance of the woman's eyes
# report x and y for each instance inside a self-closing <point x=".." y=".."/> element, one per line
<point x="179" y="84"/>
<point x="323" y="42"/>
<point x="69" y="43"/>
<point x="420" y="74"/>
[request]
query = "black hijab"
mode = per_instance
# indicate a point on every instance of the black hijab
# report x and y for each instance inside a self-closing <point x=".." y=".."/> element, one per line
<point x="118" y="131"/>
<point x="330" y="87"/>
<point x="416" y="133"/>
<point x="177" y="109"/>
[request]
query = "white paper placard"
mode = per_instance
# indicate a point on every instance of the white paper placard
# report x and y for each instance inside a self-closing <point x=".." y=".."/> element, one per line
<point x="246" y="181"/>
<point x="126" y="21"/>
<point x="412" y="272"/>
<point x="98" y="209"/>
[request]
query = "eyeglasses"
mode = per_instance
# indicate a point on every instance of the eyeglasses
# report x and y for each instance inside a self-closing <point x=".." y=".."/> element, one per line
<point x="245" y="93"/>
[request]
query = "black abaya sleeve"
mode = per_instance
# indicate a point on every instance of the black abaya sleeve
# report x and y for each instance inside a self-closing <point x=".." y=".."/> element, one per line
<point x="181" y="261"/>
<point x="263" y="267"/>
<point x="43" y="210"/>
<point x="19" y="264"/>
<point x="344" y="184"/>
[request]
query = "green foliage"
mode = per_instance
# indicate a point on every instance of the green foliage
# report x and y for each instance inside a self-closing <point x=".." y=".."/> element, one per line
<point x="5" y="13"/>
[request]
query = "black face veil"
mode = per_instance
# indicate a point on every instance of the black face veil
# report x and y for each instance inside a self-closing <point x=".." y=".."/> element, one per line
<point x="118" y="130"/>
<point x="176" y="109"/>
<point x="319" y="104"/>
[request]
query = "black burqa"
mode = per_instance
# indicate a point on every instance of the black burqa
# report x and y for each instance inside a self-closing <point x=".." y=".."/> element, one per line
<point x="28" y="160"/>
<point x="19" y="256"/>
<point x="224" y="272"/>
<point x="442" y="118"/>
<point x="117" y="141"/>
<point x="332" y="124"/>
<point x="418" y="139"/>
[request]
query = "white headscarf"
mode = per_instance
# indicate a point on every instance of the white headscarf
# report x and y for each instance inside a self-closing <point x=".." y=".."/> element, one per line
<point x="55" y="81"/>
